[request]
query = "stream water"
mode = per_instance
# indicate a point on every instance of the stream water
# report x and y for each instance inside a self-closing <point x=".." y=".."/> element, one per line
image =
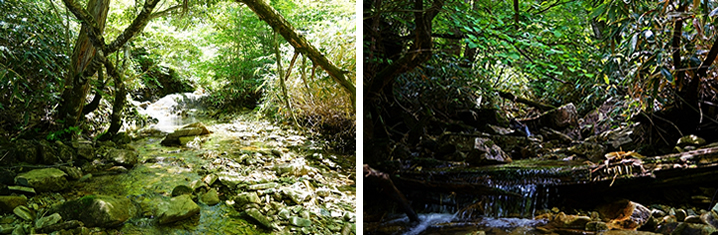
<point x="245" y="147"/>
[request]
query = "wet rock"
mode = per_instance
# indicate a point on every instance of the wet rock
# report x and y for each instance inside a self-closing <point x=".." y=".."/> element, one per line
<point x="24" y="213"/>
<point x="210" y="179"/>
<point x="84" y="149"/>
<point x="688" y="229"/>
<point x="259" y="217"/>
<point x="8" y="203"/>
<point x="178" y="208"/>
<point x="123" y="157"/>
<point x="569" y="221"/>
<point x="560" y="117"/>
<point x="181" y="190"/>
<point x="485" y="151"/>
<point x="300" y="222"/>
<point x="194" y="129"/>
<point x="98" y="210"/>
<point x="692" y="140"/>
<point x="592" y="151"/>
<point x="210" y="197"/>
<point x="246" y="198"/>
<point x="295" y="168"/>
<point x="72" y="172"/>
<point x="297" y="196"/>
<point x="27" y="191"/>
<point x="43" y="180"/>
<point x="596" y="226"/>
<point x="624" y="214"/>
<point x="693" y="219"/>
<point x="48" y="221"/>
<point x="680" y="215"/>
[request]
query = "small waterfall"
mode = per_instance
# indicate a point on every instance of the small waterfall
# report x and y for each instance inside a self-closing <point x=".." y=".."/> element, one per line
<point x="172" y="110"/>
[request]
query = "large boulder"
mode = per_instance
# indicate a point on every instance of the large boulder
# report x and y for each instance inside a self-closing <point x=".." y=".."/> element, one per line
<point x="178" y="208"/>
<point x="43" y="180"/>
<point x="47" y="153"/>
<point x="84" y="149"/>
<point x="560" y="118"/>
<point x="194" y="129"/>
<point x="98" y="210"/>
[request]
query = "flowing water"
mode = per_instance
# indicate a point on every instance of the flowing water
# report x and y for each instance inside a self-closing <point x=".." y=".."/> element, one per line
<point x="244" y="147"/>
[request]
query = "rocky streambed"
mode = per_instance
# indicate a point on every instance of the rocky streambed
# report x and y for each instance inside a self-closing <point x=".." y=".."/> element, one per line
<point x="246" y="177"/>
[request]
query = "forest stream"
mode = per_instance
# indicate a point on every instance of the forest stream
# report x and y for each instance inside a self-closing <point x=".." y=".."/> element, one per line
<point x="247" y="177"/>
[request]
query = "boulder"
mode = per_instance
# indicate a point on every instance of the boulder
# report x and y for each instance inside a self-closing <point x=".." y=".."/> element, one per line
<point x="194" y="129"/>
<point x="624" y="215"/>
<point x="25" y="151"/>
<point x="485" y="152"/>
<point x="259" y="217"/>
<point x="123" y="157"/>
<point x="210" y="197"/>
<point x="47" y="153"/>
<point x="98" y="210"/>
<point x="84" y="149"/>
<point x="64" y="152"/>
<point x="560" y="118"/>
<point x="178" y="208"/>
<point x="246" y="198"/>
<point x="43" y="180"/>
<point x="8" y="203"/>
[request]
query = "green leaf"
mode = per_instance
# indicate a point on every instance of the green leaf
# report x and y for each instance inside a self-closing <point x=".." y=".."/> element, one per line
<point x="667" y="74"/>
<point x="599" y="10"/>
<point x="605" y="79"/>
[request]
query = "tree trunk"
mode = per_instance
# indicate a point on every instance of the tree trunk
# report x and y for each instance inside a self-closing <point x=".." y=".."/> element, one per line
<point x="76" y="83"/>
<point x="300" y="44"/>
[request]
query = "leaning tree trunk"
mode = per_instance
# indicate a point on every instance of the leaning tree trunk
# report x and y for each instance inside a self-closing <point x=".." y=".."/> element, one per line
<point x="76" y="82"/>
<point x="300" y="44"/>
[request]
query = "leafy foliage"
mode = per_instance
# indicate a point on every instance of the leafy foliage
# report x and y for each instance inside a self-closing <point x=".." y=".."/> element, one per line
<point x="35" y="49"/>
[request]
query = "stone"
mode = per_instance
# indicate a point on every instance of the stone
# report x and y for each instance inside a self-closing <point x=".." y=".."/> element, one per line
<point x="295" y="195"/>
<point x="296" y="168"/>
<point x="64" y="152"/>
<point x="485" y="151"/>
<point x="560" y="118"/>
<point x="43" y="180"/>
<point x="48" y="221"/>
<point x="246" y="198"/>
<point x="74" y="173"/>
<point x="84" y="149"/>
<point x="551" y="134"/>
<point x="692" y="229"/>
<point x="692" y="140"/>
<point x="24" y="213"/>
<point x="284" y="213"/>
<point x="46" y="153"/>
<point x="693" y="219"/>
<point x="27" y="191"/>
<point x="8" y="203"/>
<point x="624" y="214"/>
<point x="570" y="221"/>
<point x="300" y="222"/>
<point x="98" y="210"/>
<point x="259" y="217"/>
<point x="6" y="228"/>
<point x="592" y="151"/>
<point x="681" y="215"/>
<point x="178" y="208"/>
<point x="596" y="226"/>
<point x="123" y="157"/>
<point x="181" y="190"/>
<point x="71" y="224"/>
<point x="210" y="179"/>
<point x="195" y="184"/>
<point x="194" y="129"/>
<point x="210" y="197"/>
<point x="262" y="186"/>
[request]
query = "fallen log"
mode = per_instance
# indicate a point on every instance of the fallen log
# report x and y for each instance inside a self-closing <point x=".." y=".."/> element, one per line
<point x="383" y="180"/>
